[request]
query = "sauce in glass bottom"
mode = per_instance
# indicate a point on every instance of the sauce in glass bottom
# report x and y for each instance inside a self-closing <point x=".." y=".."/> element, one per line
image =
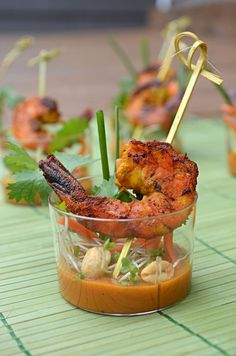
<point x="107" y="296"/>
<point x="232" y="162"/>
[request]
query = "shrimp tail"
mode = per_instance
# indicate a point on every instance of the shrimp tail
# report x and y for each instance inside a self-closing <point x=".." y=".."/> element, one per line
<point x="60" y="180"/>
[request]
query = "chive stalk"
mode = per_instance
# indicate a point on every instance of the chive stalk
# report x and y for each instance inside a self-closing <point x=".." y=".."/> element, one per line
<point x="102" y="144"/>
<point x="145" y="52"/>
<point x="224" y="94"/>
<point x="123" y="254"/>
<point x="222" y="91"/>
<point x="117" y="131"/>
<point x="123" y="57"/>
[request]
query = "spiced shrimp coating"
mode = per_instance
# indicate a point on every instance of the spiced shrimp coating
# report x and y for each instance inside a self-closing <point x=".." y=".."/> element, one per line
<point x="148" y="167"/>
<point x="29" y="119"/>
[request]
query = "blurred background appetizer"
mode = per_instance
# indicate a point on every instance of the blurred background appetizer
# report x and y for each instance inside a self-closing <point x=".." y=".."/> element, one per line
<point x="8" y="97"/>
<point x="150" y="97"/>
<point x="38" y="126"/>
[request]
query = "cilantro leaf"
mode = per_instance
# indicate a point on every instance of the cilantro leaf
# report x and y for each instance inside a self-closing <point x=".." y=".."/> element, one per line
<point x="76" y="251"/>
<point x="30" y="181"/>
<point x="126" y="87"/>
<point x="28" y="185"/>
<point x="107" y="188"/>
<point x="129" y="266"/>
<point x="125" y="196"/>
<point x="156" y="252"/>
<point x="61" y="206"/>
<point x="108" y="244"/>
<point x="19" y="160"/>
<point x="68" y="134"/>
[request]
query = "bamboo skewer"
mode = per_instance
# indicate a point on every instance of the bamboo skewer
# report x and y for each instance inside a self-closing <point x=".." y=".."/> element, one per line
<point x="20" y="46"/>
<point x="42" y="59"/>
<point x="197" y="69"/>
<point x="172" y="28"/>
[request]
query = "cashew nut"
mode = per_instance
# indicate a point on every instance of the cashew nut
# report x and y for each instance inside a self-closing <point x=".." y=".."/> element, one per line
<point x="157" y="271"/>
<point x="95" y="262"/>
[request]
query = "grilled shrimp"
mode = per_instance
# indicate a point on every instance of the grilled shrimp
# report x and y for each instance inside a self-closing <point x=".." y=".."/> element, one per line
<point x="165" y="180"/>
<point x="29" y="119"/>
<point x="153" y="103"/>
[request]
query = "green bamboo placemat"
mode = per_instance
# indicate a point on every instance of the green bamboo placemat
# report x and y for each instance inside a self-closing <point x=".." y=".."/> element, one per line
<point x="35" y="320"/>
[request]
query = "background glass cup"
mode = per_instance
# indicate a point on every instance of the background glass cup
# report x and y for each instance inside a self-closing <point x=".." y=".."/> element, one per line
<point x="155" y="274"/>
<point x="230" y="122"/>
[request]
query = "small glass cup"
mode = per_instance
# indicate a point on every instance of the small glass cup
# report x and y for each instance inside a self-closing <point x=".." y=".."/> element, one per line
<point x="155" y="273"/>
<point x="230" y="122"/>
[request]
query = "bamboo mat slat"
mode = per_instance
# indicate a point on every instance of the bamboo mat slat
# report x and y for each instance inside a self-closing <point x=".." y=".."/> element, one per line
<point x="35" y="319"/>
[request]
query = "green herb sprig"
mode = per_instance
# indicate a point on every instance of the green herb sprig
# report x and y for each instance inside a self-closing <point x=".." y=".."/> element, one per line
<point x="123" y="57"/>
<point x="68" y="134"/>
<point x="129" y="266"/>
<point x="117" y="131"/>
<point x="30" y="181"/>
<point x="102" y="144"/>
<point x="108" y="244"/>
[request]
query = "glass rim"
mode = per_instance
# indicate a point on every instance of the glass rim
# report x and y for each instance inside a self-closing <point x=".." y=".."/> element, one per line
<point x="89" y="218"/>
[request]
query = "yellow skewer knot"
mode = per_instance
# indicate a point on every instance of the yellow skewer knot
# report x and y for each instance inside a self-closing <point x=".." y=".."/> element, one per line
<point x="197" y="45"/>
<point x="24" y="43"/>
<point x="197" y="69"/>
<point x="177" y="25"/>
<point x="20" y="46"/>
<point x="44" y="56"/>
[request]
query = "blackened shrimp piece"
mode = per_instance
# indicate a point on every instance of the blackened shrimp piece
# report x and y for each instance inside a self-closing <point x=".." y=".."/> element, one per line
<point x="29" y="119"/>
<point x="153" y="103"/>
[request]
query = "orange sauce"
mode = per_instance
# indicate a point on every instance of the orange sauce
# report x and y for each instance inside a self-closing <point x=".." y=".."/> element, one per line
<point x="232" y="162"/>
<point x="106" y="296"/>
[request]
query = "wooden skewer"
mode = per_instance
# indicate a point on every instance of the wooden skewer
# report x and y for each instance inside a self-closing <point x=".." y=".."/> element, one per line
<point x="42" y="59"/>
<point x="20" y="46"/>
<point x="165" y="66"/>
<point x="168" y="48"/>
<point x="172" y="28"/>
<point x="197" y="70"/>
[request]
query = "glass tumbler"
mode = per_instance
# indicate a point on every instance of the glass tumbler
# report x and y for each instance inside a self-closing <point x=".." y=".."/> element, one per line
<point x="123" y="266"/>
<point x="230" y="122"/>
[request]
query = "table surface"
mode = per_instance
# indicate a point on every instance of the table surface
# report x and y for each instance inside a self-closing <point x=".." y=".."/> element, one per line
<point x="36" y="320"/>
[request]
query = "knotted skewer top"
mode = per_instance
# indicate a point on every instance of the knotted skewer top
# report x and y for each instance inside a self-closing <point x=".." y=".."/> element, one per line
<point x="44" y="56"/>
<point x="19" y="46"/>
<point x="197" y="69"/>
<point x="42" y="59"/>
<point x="197" y="45"/>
